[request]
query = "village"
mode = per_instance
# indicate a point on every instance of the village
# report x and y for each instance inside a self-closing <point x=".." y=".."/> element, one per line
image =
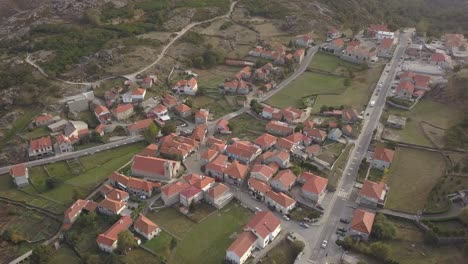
<point x="282" y="160"/>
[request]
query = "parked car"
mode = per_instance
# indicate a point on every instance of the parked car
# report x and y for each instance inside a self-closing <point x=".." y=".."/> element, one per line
<point x="304" y="225"/>
<point x="342" y="229"/>
<point x="319" y="207"/>
<point x="345" y="220"/>
<point x="286" y="217"/>
<point x="340" y="233"/>
<point x="324" y="244"/>
<point x="258" y="209"/>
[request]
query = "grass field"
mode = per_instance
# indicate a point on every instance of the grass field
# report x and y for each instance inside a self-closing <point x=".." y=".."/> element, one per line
<point x="307" y="84"/>
<point x="137" y="256"/>
<point x="438" y="201"/>
<point x="331" y="63"/>
<point x="412" y="176"/>
<point x="64" y="255"/>
<point x="283" y="252"/>
<point x="408" y="247"/>
<point x="355" y="96"/>
<point x="331" y="152"/>
<point x="217" y="104"/>
<point x="37" y="133"/>
<point x="97" y="168"/>
<point x="161" y="244"/>
<point x="246" y="126"/>
<point x="19" y="125"/>
<point x="207" y="241"/>
<point x="441" y="115"/>
<point x="335" y="174"/>
<point x="172" y="221"/>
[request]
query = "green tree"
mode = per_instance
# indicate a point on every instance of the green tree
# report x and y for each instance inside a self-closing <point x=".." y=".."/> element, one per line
<point x="347" y="82"/>
<point x="52" y="182"/>
<point x="299" y="127"/>
<point x="168" y="128"/>
<point x="126" y="242"/>
<point x="150" y="133"/>
<point x="189" y="102"/>
<point x="382" y="228"/>
<point x="95" y="137"/>
<point x="463" y="215"/>
<point x="380" y="250"/>
<point x="41" y="254"/>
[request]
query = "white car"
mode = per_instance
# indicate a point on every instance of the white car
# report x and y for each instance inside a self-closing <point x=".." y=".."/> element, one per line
<point x="324" y="244"/>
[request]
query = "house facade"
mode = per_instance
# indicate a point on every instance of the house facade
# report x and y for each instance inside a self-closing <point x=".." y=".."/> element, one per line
<point x="41" y="147"/>
<point x="20" y="175"/>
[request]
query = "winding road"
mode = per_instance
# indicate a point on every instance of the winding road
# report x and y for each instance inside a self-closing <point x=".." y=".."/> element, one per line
<point x="132" y="76"/>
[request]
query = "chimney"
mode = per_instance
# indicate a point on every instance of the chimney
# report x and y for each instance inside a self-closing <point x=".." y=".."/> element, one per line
<point x="118" y="196"/>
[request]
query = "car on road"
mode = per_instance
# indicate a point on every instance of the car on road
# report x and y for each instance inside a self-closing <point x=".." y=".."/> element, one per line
<point x="372" y="103"/>
<point x="319" y="207"/>
<point x="304" y="225"/>
<point x="345" y="220"/>
<point x="380" y="84"/>
<point x="340" y="233"/>
<point x="285" y="217"/>
<point x="324" y="244"/>
<point x="342" y="229"/>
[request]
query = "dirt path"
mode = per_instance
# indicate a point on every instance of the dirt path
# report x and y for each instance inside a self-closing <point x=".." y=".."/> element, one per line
<point x="132" y="76"/>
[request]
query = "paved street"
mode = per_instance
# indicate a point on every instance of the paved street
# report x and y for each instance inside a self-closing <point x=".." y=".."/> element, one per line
<point x="79" y="153"/>
<point x="340" y="203"/>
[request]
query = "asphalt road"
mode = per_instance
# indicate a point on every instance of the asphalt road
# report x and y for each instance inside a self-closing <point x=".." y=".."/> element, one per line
<point x="78" y="153"/>
<point x="341" y="203"/>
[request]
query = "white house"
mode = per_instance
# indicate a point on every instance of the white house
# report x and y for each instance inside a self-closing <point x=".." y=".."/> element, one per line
<point x="146" y="227"/>
<point x="20" y="174"/>
<point x="382" y="158"/>
<point x="314" y="188"/>
<point x="280" y="202"/>
<point x="189" y="87"/>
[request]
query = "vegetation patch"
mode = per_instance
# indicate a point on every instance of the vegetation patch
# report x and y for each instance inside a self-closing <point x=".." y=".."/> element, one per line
<point x="284" y="252"/>
<point x="246" y="126"/>
<point x="438" y="201"/>
<point x="411" y="179"/>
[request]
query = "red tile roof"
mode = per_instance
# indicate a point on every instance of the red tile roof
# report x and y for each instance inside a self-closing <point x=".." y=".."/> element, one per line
<point x="174" y="188"/>
<point x="150" y="150"/>
<point x="190" y="192"/>
<point x="372" y="189"/>
<point x="383" y="154"/>
<point x="43" y="118"/>
<point x="182" y="108"/>
<point x="39" y="143"/>
<point x="122" y="108"/>
<point x="243" y="243"/>
<point x="201" y="184"/>
<point x="117" y="195"/>
<point x="313" y="149"/>
<point x="422" y="80"/>
<point x="145" y="225"/>
<point x="386" y="43"/>
<point x="18" y="170"/>
<point x="199" y="132"/>
<point x="192" y="178"/>
<point x="109" y="237"/>
<point x="209" y="154"/>
<point x="315" y="184"/>
<point x="140" y="124"/>
<point x="100" y="109"/>
<point x="362" y="221"/>
<point x="279" y="126"/>
<point x="112" y="205"/>
<point x="217" y="190"/>
<point x="264" y="223"/>
<point x="220" y="159"/>
<point x="150" y="164"/>
<point x="315" y="133"/>
<point x="281" y="199"/>
<point x="437" y="57"/>
<point x="286" y="178"/>
<point x="118" y="177"/>
<point x="259" y="185"/>
<point x="236" y="170"/>
<point x="263" y="169"/>
<point x="407" y="86"/>
<point x="191" y="83"/>
<point x="138" y="91"/>
<point x="73" y="210"/>
<point x="305" y="176"/>
<point x="339" y="42"/>
<point x="284" y="143"/>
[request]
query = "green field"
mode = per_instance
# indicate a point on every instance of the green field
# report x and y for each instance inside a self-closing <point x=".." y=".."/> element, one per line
<point x="335" y="174"/>
<point x="217" y="104"/>
<point x="161" y="244"/>
<point x="97" y="167"/>
<point x="37" y="133"/>
<point x="283" y="252"/>
<point x="441" y="115"/>
<point x="246" y="126"/>
<point x="355" y="96"/>
<point x="207" y="241"/>
<point x="438" y="201"/>
<point x="306" y="85"/>
<point x="331" y="63"/>
<point x="64" y="255"/>
<point x="409" y="248"/>
<point x="412" y="176"/>
<point x="172" y="221"/>
<point x="19" y="125"/>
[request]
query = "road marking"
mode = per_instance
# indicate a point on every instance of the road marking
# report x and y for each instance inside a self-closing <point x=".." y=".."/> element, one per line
<point x="343" y="194"/>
